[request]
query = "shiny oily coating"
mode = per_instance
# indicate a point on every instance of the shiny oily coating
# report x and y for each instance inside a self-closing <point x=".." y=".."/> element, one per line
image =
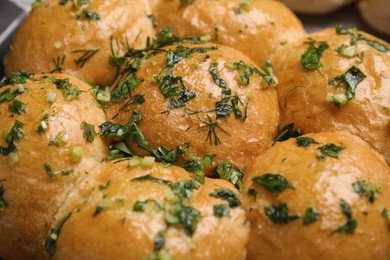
<point x="194" y="125"/>
<point x="35" y="192"/>
<point x="303" y="93"/>
<point x="123" y="231"/>
<point x="54" y="38"/>
<point x="337" y="208"/>
<point x="255" y="27"/>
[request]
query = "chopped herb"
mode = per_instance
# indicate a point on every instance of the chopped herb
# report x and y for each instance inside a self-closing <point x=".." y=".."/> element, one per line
<point x="347" y="51"/>
<point x="3" y="201"/>
<point x="165" y="37"/>
<point x="43" y="125"/>
<point x="55" y="174"/>
<point x="17" y="107"/>
<point x="85" y="56"/>
<point x="175" y="56"/>
<point x="226" y="171"/>
<point x="253" y="192"/>
<point x="140" y="206"/>
<point x="15" y="134"/>
<point x="350" y="79"/>
<point x="269" y="77"/>
<point x="118" y="150"/>
<point x="104" y="186"/>
<point x="18" y="77"/>
<point x="7" y="95"/>
<point x="216" y="77"/>
<point x="69" y="91"/>
<point x="274" y="183"/>
<point x="237" y="112"/>
<point x="212" y="135"/>
<point x="287" y="133"/>
<point x="359" y="37"/>
<point x="228" y="195"/>
<point x="198" y="166"/>
<point x="367" y="189"/>
<point x="168" y="156"/>
<point x="331" y="150"/>
<point x="311" y="57"/>
<point x="102" y="94"/>
<point x="311" y="216"/>
<point x="351" y="224"/>
<point x="159" y="242"/>
<point x="186" y="1"/>
<point x="222" y="110"/>
<point x="85" y="14"/>
<point x="149" y="177"/>
<point x="58" y="63"/>
<point x="244" y="71"/>
<point x="220" y="211"/>
<point x="279" y="214"/>
<point x="152" y="20"/>
<point x="124" y="87"/>
<point x="116" y="60"/>
<point x="183" y="189"/>
<point x="50" y="243"/>
<point x="305" y="141"/>
<point x="88" y="131"/>
<point x="185" y="216"/>
<point x="386" y="214"/>
<point x="102" y="205"/>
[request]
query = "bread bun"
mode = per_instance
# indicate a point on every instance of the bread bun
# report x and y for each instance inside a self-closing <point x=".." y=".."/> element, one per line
<point x="168" y="214"/>
<point x="44" y="155"/>
<point x="376" y="13"/>
<point x="324" y="198"/>
<point x="199" y="73"/>
<point x="80" y="40"/>
<point x="347" y="87"/>
<point x="257" y="28"/>
<point x="315" y="6"/>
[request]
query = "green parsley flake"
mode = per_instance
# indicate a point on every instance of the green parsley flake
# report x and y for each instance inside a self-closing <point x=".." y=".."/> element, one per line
<point x="50" y="243"/>
<point x="69" y="91"/>
<point x="89" y="131"/>
<point x="226" y="171"/>
<point x="349" y="80"/>
<point x="287" y="132"/>
<point x="367" y="189"/>
<point x="124" y="87"/>
<point x="18" y="77"/>
<point x="55" y="174"/>
<point x="274" y="183"/>
<point x="311" y="216"/>
<point x="17" y="107"/>
<point x="331" y="150"/>
<point x="311" y="57"/>
<point x="185" y="216"/>
<point x="279" y="214"/>
<point x="351" y="224"/>
<point x="15" y="134"/>
<point x="140" y="206"/>
<point x="303" y="141"/>
<point x="220" y="211"/>
<point x="227" y="195"/>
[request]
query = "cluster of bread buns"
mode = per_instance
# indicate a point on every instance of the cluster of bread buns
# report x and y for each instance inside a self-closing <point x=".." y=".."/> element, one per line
<point x="169" y="129"/>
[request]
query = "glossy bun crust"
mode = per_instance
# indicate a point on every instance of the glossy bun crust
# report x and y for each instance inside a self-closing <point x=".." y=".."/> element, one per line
<point x="37" y="178"/>
<point x="53" y="31"/>
<point x="349" y="197"/>
<point x="376" y="13"/>
<point x="257" y="27"/>
<point x="119" y="231"/>
<point x="315" y="6"/>
<point x="304" y="94"/>
<point x="194" y="124"/>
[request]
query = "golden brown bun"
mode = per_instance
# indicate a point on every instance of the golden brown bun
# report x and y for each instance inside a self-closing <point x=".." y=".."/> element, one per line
<point x="33" y="197"/>
<point x="119" y="232"/>
<point x="257" y="29"/>
<point x="376" y="13"/>
<point x="315" y="6"/>
<point x="52" y="31"/>
<point x="303" y="93"/>
<point x="191" y="125"/>
<point x="322" y="185"/>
